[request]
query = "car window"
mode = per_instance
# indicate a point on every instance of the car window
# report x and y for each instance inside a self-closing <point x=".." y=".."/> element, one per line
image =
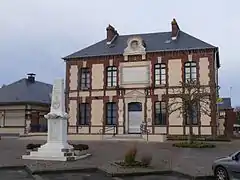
<point x="238" y="155"/>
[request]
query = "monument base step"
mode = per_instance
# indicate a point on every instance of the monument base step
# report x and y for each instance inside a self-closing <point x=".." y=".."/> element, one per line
<point x="54" y="158"/>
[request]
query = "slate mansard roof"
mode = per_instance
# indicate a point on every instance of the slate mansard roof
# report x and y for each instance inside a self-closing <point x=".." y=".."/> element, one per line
<point x="155" y="42"/>
<point x="23" y="91"/>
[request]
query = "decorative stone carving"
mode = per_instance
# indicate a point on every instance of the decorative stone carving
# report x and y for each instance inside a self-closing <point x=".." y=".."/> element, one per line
<point x="135" y="46"/>
<point x="56" y="116"/>
<point x="135" y="93"/>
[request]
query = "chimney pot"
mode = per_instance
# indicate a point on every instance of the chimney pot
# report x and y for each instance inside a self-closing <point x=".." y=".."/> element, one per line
<point x="31" y="77"/>
<point x="175" y="29"/>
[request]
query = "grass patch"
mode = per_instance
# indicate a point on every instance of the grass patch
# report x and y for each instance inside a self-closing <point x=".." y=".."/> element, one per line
<point x="198" y="138"/>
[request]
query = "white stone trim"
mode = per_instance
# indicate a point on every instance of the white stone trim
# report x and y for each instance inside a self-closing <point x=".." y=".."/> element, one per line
<point x="159" y="59"/>
<point x="84" y="64"/>
<point x="110" y="98"/>
<point x="190" y="57"/>
<point x="110" y="62"/>
<point x="83" y="99"/>
<point x="138" y="98"/>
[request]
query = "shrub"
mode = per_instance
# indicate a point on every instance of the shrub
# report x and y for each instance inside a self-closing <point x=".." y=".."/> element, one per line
<point x="130" y="156"/>
<point x="32" y="146"/>
<point x="194" y="145"/>
<point x="146" y="159"/>
<point x="80" y="147"/>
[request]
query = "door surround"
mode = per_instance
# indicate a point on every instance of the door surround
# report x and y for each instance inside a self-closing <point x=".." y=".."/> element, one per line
<point x="133" y="96"/>
<point x="134" y="117"/>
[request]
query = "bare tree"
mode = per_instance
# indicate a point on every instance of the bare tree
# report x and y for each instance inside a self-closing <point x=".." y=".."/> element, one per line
<point x="190" y="100"/>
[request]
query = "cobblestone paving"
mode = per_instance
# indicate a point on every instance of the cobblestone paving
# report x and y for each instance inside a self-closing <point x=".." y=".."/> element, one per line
<point x="189" y="161"/>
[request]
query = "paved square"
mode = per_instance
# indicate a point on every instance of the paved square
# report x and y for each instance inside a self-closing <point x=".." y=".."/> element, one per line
<point x="190" y="161"/>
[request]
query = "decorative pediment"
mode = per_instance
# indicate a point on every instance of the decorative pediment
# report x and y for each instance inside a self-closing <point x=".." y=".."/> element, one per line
<point x="135" y="46"/>
<point x="134" y="93"/>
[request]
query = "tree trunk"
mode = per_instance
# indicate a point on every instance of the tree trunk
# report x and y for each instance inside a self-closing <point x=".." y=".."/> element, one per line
<point x="190" y="136"/>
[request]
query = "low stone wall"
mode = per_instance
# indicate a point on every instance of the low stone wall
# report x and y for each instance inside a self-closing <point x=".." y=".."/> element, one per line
<point x="12" y="130"/>
<point x="156" y="138"/>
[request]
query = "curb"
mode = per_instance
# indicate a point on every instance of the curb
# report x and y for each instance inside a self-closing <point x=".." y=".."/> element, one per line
<point x="204" y="178"/>
<point x="130" y="174"/>
<point x="163" y="173"/>
<point x="37" y="173"/>
<point x="64" y="170"/>
<point x="12" y="167"/>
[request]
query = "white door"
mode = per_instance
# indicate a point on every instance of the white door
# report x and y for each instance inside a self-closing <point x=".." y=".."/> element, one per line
<point x="134" y="121"/>
<point x="134" y="117"/>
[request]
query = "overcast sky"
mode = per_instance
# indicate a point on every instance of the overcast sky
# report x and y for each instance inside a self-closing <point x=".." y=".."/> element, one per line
<point x="35" y="34"/>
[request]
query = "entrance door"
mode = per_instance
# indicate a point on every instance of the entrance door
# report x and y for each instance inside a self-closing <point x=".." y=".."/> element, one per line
<point x="134" y="117"/>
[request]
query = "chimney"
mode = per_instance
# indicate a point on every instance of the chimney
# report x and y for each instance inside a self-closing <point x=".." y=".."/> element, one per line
<point x="175" y="29"/>
<point x="31" y="77"/>
<point x="111" y="34"/>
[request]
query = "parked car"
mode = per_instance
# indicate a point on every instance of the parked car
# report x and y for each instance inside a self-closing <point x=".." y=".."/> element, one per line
<point x="227" y="168"/>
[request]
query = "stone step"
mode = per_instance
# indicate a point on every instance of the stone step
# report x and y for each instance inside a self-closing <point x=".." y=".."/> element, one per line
<point x="130" y="136"/>
<point x="125" y="137"/>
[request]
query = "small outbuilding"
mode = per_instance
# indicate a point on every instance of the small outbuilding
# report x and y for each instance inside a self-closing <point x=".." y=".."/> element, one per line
<point x="23" y="105"/>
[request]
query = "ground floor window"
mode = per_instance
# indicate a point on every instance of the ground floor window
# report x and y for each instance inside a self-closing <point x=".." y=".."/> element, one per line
<point x="84" y="114"/>
<point x="191" y="114"/>
<point x="160" y="113"/>
<point x="111" y="113"/>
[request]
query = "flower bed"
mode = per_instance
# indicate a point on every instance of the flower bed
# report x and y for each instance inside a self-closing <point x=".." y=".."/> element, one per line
<point x="80" y="149"/>
<point x="133" y="164"/>
<point x="195" y="144"/>
<point x="33" y="147"/>
<point x="198" y="138"/>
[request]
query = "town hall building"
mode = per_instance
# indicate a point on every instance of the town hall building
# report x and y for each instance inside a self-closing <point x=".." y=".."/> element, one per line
<point x="125" y="80"/>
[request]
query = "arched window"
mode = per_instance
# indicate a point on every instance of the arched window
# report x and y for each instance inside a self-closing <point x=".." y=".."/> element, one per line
<point x="111" y="76"/>
<point x="190" y="71"/>
<point x="160" y="74"/>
